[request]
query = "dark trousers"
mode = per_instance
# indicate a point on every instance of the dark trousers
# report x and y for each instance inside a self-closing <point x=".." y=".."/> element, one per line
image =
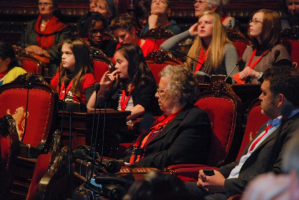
<point x="200" y="194"/>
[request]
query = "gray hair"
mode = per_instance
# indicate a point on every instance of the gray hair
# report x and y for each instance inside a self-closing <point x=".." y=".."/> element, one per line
<point x="217" y="3"/>
<point x="182" y="81"/>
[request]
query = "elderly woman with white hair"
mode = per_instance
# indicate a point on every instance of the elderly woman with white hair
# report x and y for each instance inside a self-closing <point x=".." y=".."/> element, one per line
<point x="201" y="6"/>
<point x="182" y="134"/>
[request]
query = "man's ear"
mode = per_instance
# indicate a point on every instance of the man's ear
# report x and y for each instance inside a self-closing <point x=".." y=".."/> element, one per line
<point x="280" y="100"/>
<point x="214" y="8"/>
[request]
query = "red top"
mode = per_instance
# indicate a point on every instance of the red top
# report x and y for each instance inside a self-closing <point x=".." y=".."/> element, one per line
<point x="88" y="81"/>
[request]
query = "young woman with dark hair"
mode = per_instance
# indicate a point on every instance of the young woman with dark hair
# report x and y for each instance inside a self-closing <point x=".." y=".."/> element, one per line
<point x="134" y="82"/>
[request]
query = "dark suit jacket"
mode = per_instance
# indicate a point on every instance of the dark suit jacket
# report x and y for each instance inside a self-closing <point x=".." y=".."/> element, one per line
<point x="259" y="160"/>
<point x="186" y="139"/>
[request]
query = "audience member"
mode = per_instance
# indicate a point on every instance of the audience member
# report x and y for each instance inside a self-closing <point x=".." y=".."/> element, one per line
<point x="157" y="186"/>
<point x="264" y="31"/>
<point x="92" y="28"/>
<point x="182" y="134"/>
<point x="132" y="82"/>
<point x="212" y="52"/>
<point x="9" y="64"/>
<point x="76" y="71"/>
<point x="105" y="8"/>
<point x="42" y="36"/>
<point x="200" y="7"/>
<point x="293" y="13"/>
<point x="141" y="14"/>
<point x="284" y="186"/>
<point x="280" y="87"/>
<point x="124" y="28"/>
<point x="160" y="10"/>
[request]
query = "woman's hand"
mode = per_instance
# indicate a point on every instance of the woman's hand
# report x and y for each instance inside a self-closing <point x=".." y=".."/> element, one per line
<point x="37" y="50"/>
<point x="108" y="78"/>
<point x="248" y="72"/>
<point x="152" y="21"/>
<point x="193" y="30"/>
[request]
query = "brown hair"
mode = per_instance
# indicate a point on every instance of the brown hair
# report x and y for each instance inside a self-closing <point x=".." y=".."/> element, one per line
<point x="270" y="35"/>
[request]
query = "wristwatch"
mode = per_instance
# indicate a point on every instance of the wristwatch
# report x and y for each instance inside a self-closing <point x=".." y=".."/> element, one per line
<point x="260" y="76"/>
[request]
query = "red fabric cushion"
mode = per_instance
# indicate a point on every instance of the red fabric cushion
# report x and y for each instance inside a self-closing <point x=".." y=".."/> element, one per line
<point x="5" y="151"/>
<point x="41" y="167"/>
<point x="156" y="69"/>
<point x="30" y="66"/>
<point x="240" y="46"/>
<point x="158" y="42"/>
<point x="221" y="114"/>
<point x="192" y="173"/>
<point x="187" y="179"/>
<point x="292" y="47"/>
<point x="14" y="102"/>
<point x="99" y="68"/>
<point x="255" y="120"/>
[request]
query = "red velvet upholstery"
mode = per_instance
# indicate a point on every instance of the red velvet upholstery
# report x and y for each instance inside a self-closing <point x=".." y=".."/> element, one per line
<point x="223" y="108"/>
<point x="240" y="46"/>
<point x="158" y="35"/>
<point x="156" y="69"/>
<point x="13" y="98"/>
<point x="158" y="42"/>
<point x="293" y="48"/>
<point x="157" y="60"/>
<point x="32" y="64"/>
<point x="101" y="64"/>
<point x="255" y="120"/>
<point x="41" y="167"/>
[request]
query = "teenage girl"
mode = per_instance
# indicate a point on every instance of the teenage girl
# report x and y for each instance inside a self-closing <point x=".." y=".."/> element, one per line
<point x="75" y="67"/>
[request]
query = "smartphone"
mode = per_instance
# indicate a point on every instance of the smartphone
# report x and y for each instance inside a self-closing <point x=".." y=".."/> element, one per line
<point x="208" y="172"/>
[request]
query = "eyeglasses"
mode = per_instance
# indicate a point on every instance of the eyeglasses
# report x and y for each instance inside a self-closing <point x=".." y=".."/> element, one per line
<point x="161" y="91"/>
<point x="255" y="21"/>
<point x="293" y="3"/>
<point x="45" y="4"/>
<point x="101" y="31"/>
<point x="199" y="2"/>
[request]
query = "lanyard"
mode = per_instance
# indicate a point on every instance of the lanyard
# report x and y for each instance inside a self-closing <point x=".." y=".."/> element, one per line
<point x="201" y="59"/>
<point x="124" y="100"/>
<point x="251" y="58"/>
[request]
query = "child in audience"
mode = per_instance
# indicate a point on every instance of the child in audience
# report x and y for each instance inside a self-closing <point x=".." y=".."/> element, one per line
<point x="132" y="82"/>
<point x="264" y="31"/>
<point x="9" y="69"/>
<point x="212" y="52"/>
<point x="75" y="66"/>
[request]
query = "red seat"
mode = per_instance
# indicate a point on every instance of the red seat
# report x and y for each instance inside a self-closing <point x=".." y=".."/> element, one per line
<point x="238" y="40"/>
<point x="293" y="48"/>
<point x="31" y="63"/>
<point x="254" y="121"/>
<point x="40" y="108"/>
<point x="223" y="107"/>
<point x="9" y="145"/>
<point x="101" y="63"/>
<point x="159" y="59"/>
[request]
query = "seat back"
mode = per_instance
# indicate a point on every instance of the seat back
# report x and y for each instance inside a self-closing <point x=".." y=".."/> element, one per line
<point x="9" y="144"/>
<point x="238" y="40"/>
<point x="223" y="107"/>
<point x="293" y="48"/>
<point x="32" y="63"/>
<point x="29" y="97"/>
<point x="101" y="63"/>
<point x="158" y="35"/>
<point x="159" y="59"/>
<point x="255" y="120"/>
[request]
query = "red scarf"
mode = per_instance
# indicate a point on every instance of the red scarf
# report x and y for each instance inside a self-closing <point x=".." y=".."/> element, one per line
<point x="46" y="38"/>
<point x="201" y="59"/>
<point x="159" y="125"/>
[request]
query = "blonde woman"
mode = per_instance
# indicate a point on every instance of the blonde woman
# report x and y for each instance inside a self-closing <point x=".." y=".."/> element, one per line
<point x="211" y="51"/>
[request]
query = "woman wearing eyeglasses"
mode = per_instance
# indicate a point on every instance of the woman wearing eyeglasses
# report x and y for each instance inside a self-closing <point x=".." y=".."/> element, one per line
<point x="182" y="134"/>
<point x="123" y="27"/>
<point x="266" y="51"/>
<point x="42" y="35"/>
<point x="92" y="28"/>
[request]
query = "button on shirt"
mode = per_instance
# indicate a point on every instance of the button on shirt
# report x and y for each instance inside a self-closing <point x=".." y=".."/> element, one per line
<point x="275" y="124"/>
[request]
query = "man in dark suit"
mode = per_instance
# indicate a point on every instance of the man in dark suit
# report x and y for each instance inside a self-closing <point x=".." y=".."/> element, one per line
<point x="279" y="88"/>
